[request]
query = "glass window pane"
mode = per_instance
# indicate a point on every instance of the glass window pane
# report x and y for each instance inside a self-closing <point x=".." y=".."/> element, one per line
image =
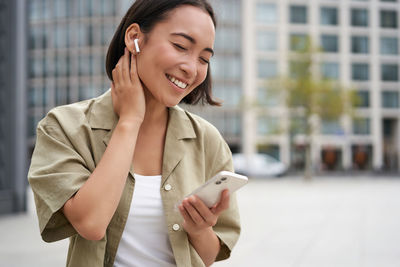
<point x="61" y="8"/>
<point x="363" y="99"/>
<point x="228" y="39"/>
<point x="331" y="127"/>
<point x="329" y="43"/>
<point x="389" y="46"/>
<point x="361" y="126"/>
<point x="360" y="71"/>
<point x="329" y="16"/>
<point x="36" y="67"/>
<point x="359" y="17"/>
<point x="226" y="67"/>
<point x="108" y="7"/>
<point x="266" y="13"/>
<point x="267" y="68"/>
<point x="388" y="19"/>
<point x="330" y="70"/>
<point x="298" y="41"/>
<point x="298" y="14"/>
<point x="389" y="72"/>
<point x="268" y="97"/>
<point x="267" y="125"/>
<point x="62" y="65"/>
<point x="61" y="39"/>
<point x="390" y="99"/>
<point x="266" y="41"/>
<point x="360" y="44"/>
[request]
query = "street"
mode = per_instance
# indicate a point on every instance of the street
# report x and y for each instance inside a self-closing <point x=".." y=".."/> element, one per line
<point x="330" y="221"/>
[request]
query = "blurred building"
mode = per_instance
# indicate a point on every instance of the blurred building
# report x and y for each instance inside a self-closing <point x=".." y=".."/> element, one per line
<point x="13" y="159"/>
<point x="69" y="41"/>
<point x="360" y="40"/>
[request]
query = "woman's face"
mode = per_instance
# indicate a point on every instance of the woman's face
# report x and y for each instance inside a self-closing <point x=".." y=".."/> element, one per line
<point x="174" y="60"/>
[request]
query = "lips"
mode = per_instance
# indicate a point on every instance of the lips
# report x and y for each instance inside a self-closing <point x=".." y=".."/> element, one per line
<point x="177" y="82"/>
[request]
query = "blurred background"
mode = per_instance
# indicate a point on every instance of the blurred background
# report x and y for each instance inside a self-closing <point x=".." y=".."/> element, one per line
<point x="52" y="52"/>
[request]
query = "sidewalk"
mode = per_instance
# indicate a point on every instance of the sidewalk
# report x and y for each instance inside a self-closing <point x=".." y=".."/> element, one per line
<point x="339" y="221"/>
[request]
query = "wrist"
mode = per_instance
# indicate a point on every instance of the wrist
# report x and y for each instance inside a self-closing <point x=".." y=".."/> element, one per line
<point x="129" y="125"/>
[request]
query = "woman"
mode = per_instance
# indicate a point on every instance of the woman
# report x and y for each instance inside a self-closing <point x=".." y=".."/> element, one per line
<point x="112" y="172"/>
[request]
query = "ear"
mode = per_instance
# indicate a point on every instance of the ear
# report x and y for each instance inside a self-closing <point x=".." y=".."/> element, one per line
<point x="133" y="32"/>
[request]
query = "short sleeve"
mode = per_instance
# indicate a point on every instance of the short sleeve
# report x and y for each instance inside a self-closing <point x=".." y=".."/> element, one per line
<point x="56" y="173"/>
<point x="228" y="226"/>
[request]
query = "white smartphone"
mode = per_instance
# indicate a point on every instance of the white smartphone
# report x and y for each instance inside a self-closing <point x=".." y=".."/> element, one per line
<point x="210" y="191"/>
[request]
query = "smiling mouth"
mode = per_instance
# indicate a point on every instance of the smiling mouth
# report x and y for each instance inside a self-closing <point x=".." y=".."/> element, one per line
<point x="177" y="82"/>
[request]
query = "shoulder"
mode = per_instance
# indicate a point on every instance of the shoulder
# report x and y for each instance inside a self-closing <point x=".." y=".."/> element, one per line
<point x="83" y="113"/>
<point x="202" y="127"/>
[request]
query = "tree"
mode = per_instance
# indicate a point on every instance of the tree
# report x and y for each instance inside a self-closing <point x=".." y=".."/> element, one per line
<point x="309" y="97"/>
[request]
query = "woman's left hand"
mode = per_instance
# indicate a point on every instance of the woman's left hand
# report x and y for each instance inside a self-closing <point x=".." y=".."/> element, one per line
<point x="198" y="218"/>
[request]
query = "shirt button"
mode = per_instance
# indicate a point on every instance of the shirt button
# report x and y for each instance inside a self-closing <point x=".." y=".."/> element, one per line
<point x="167" y="187"/>
<point x="175" y="227"/>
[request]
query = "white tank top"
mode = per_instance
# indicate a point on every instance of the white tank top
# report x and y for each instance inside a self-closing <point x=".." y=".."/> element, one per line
<point x="144" y="241"/>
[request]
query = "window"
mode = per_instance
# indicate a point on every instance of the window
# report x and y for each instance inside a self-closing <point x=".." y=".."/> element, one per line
<point x="329" y="16"/>
<point x="331" y="127"/>
<point x="107" y="7"/>
<point x="298" y="41"/>
<point x="329" y="43"/>
<point x="389" y="72"/>
<point x="61" y="8"/>
<point x="268" y="97"/>
<point x="359" y="17"/>
<point x="359" y="44"/>
<point x="267" y="125"/>
<point x="298" y="14"/>
<point x="227" y="13"/>
<point x="226" y="67"/>
<point x="36" y="67"/>
<point x="388" y="19"/>
<point x="85" y="35"/>
<point x="389" y="46"/>
<point x="266" y="13"/>
<point x="266" y="69"/>
<point x="330" y="70"/>
<point x="390" y="99"/>
<point x="230" y="95"/>
<point x="228" y="39"/>
<point x="266" y="41"/>
<point x="61" y="39"/>
<point x="85" y="64"/>
<point x="62" y="65"/>
<point x="361" y="126"/>
<point x="360" y="71"/>
<point x="363" y="99"/>
<point x="37" y="37"/>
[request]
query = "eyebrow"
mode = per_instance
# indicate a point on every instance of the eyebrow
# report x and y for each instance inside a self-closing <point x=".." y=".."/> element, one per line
<point x="192" y="40"/>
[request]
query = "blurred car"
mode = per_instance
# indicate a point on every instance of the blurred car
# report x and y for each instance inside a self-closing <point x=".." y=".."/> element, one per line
<point x="258" y="165"/>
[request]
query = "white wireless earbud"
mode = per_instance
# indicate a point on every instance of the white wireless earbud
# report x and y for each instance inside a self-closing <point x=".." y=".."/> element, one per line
<point x="137" y="45"/>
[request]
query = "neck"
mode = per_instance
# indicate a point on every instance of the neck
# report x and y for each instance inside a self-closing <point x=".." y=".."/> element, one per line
<point x="155" y="111"/>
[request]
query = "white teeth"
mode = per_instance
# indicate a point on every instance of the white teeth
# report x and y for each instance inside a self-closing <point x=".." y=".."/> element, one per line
<point x="177" y="82"/>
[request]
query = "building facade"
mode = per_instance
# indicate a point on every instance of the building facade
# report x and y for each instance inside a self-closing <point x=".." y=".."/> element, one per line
<point x="69" y="41"/>
<point x="360" y="40"/>
<point x="13" y="159"/>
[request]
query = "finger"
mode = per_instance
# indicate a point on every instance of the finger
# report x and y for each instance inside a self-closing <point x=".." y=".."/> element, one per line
<point x="203" y="210"/>
<point x="223" y="203"/>
<point x="196" y="217"/>
<point x="185" y="215"/>
<point x="125" y="66"/>
<point x="133" y="72"/>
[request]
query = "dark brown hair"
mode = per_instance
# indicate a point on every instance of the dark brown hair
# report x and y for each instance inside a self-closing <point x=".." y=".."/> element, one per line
<point x="147" y="13"/>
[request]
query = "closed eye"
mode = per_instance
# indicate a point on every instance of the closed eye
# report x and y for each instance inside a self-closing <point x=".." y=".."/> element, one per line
<point x="178" y="46"/>
<point x="205" y="61"/>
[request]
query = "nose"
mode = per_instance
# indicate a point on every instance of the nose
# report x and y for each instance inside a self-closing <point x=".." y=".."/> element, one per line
<point x="189" y="67"/>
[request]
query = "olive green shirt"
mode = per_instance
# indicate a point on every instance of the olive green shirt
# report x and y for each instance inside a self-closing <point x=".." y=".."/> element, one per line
<point x="70" y="143"/>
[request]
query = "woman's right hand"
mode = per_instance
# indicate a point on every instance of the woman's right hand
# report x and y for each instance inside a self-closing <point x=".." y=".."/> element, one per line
<point x="127" y="90"/>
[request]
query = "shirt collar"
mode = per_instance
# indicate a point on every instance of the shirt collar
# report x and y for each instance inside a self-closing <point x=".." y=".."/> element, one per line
<point x="102" y="116"/>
